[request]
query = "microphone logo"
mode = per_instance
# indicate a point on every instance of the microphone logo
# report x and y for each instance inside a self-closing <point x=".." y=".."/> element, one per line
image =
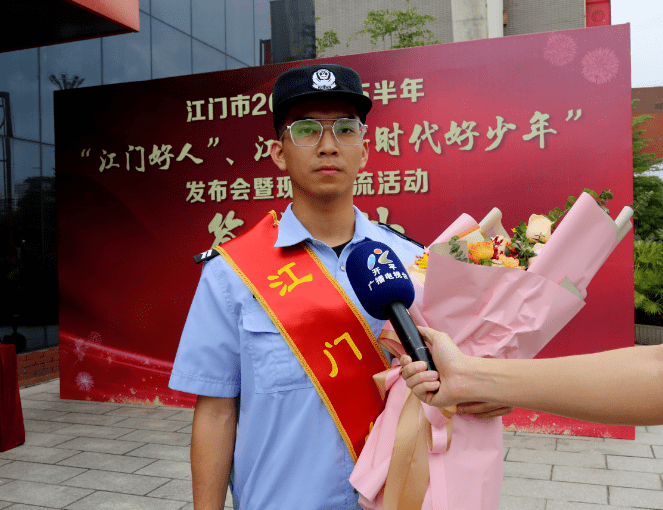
<point x="382" y="260"/>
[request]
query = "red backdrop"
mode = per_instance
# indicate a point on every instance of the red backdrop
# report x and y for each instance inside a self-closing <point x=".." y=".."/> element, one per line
<point x="151" y="173"/>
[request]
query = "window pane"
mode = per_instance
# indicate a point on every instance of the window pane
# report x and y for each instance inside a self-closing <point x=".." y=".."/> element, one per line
<point x="234" y="64"/>
<point x="177" y="13"/>
<point x="206" y="59"/>
<point x="293" y="30"/>
<point x="49" y="222"/>
<point x="209" y="22"/>
<point x="263" y="29"/>
<point x="144" y="5"/>
<point x="127" y="56"/>
<point x="171" y="51"/>
<point x="79" y="62"/>
<point x="21" y="275"/>
<point x="239" y="25"/>
<point x="18" y="77"/>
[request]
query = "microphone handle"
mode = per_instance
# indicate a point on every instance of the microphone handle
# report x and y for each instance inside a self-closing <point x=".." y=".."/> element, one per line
<point x="409" y="334"/>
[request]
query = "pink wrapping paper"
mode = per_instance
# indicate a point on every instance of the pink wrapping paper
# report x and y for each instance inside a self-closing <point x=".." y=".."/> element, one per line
<point x="488" y="312"/>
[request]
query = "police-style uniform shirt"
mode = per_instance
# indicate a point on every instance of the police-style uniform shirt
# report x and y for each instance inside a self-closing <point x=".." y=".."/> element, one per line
<point x="288" y="451"/>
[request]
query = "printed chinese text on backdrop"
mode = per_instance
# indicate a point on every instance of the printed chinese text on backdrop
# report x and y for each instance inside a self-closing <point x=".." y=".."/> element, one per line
<point x="151" y="173"/>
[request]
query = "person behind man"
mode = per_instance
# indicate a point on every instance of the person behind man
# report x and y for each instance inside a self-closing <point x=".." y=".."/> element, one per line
<point x="615" y="387"/>
<point x="291" y="359"/>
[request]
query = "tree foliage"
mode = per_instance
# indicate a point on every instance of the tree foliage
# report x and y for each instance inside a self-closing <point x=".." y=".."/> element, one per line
<point x="328" y="40"/>
<point x="647" y="189"/>
<point x="405" y="29"/>
<point x="648" y="277"/>
<point x="641" y="162"/>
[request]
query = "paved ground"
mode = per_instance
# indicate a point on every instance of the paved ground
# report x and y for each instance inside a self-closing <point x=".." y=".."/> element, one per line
<point x="88" y="456"/>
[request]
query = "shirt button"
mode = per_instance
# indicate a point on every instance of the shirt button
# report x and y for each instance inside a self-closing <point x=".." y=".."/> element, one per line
<point x="342" y="268"/>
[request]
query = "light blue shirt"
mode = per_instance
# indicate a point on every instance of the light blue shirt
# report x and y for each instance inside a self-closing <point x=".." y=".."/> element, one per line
<point x="288" y="451"/>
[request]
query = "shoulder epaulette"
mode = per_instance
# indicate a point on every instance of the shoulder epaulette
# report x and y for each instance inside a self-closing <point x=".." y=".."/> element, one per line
<point x="205" y="256"/>
<point x="401" y="235"/>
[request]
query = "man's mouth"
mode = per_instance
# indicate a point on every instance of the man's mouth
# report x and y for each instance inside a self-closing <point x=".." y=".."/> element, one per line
<point x="329" y="170"/>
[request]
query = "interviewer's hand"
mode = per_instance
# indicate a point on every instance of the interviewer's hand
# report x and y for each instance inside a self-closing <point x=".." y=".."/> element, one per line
<point x="446" y="389"/>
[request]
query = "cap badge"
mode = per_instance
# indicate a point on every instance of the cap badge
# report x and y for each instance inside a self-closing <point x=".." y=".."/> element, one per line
<point x="324" y="79"/>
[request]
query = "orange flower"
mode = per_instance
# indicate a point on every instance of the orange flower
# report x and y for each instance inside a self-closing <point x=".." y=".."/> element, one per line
<point x="481" y="251"/>
<point x="509" y="262"/>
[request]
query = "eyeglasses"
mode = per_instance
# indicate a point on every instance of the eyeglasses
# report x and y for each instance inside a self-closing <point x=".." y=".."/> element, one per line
<point x="308" y="132"/>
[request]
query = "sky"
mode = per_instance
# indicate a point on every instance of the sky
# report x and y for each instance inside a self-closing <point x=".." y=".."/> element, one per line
<point x="646" y="19"/>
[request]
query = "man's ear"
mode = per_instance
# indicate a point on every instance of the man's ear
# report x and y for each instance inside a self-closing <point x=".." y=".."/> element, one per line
<point x="278" y="157"/>
<point x="364" y="155"/>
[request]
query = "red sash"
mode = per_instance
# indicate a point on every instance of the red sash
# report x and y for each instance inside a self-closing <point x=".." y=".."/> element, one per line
<point x="320" y="323"/>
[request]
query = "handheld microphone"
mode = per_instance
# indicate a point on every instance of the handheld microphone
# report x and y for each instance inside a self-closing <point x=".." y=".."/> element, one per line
<point x="384" y="289"/>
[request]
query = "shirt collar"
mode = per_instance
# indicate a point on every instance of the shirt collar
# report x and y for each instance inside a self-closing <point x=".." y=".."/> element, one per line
<point x="292" y="232"/>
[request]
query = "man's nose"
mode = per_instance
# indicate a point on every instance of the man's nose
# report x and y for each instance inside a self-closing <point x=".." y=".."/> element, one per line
<point x="328" y="143"/>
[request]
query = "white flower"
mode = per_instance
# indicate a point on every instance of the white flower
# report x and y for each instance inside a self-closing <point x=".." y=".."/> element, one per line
<point x="538" y="228"/>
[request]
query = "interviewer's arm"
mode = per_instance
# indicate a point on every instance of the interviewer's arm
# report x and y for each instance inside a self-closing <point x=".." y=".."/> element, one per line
<point x="617" y="387"/>
<point x="212" y="448"/>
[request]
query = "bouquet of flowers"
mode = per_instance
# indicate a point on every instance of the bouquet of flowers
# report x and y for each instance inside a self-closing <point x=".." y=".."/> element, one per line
<point x="409" y="460"/>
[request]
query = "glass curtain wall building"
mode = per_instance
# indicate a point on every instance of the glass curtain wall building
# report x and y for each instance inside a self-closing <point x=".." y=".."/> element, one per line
<point x="177" y="37"/>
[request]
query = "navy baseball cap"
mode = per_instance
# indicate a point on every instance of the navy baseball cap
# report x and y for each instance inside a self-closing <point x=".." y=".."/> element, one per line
<point x="319" y="81"/>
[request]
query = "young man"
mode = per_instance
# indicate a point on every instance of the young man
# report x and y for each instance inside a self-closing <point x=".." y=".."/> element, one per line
<point x="291" y="437"/>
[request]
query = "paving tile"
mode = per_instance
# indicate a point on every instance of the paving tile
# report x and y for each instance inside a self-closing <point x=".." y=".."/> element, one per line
<point x="658" y="451"/>
<point x="168" y="469"/>
<point x="42" y="426"/>
<point x="583" y="493"/>
<point x="558" y="458"/>
<point x="37" y="404"/>
<point x="33" y="472"/>
<point x="528" y="470"/>
<point x="627" y="448"/>
<point x="137" y="485"/>
<point x="3" y="462"/>
<point x="656" y="429"/>
<point x="41" y="494"/>
<point x="51" y="397"/>
<point x="634" y="497"/>
<point x="31" y="390"/>
<point x="163" y="451"/>
<point x="533" y="443"/>
<point x="508" y="433"/>
<point x="93" y="431"/>
<point x="44" y="439"/>
<point x="106" y="462"/>
<point x="151" y="412"/>
<point x="635" y="464"/>
<point x="149" y="436"/>
<point x="563" y="436"/>
<point x="89" y="444"/>
<point x="5" y="504"/>
<point x="38" y="454"/>
<point x="41" y="414"/>
<point x="642" y="438"/>
<point x="180" y="490"/>
<point x="141" y="423"/>
<point x="567" y="505"/>
<point x="518" y="503"/>
<point x="186" y="415"/>
<point x="185" y="430"/>
<point x="27" y="507"/>
<point x="610" y="477"/>
<point x="115" y="501"/>
<point x="88" y="419"/>
<point x="75" y="406"/>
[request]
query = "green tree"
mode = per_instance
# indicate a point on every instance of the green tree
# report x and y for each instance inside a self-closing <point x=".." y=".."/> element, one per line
<point x="328" y="40"/>
<point x="647" y="189"/>
<point x="408" y="28"/>
<point x="641" y="162"/>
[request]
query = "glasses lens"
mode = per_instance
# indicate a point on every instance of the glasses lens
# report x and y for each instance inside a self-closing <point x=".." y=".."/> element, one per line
<point x="348" y="131"/>
<point x="305" y="132"/>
